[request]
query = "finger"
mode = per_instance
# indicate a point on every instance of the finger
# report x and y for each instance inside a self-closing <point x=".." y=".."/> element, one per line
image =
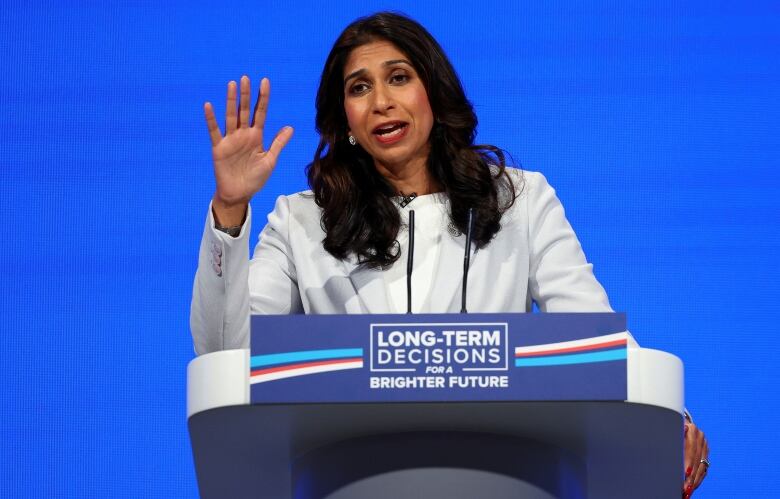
<point x="696" y="439"/>
<point x="702" y="472"/>
<point x="261" y="107"/>
<point x="211" y="123"/>
<point x="703" y="469"/>
<point x="695" y="455"/>
<point x="689" y="454"/>
<point x="230" y="112"/>
<point x="243" y="103"/>
<point x="281" y="140"/>
<point x="687" y="451"/>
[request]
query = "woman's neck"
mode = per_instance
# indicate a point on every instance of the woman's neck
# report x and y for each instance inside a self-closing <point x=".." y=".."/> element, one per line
<point x="409" y="178"/>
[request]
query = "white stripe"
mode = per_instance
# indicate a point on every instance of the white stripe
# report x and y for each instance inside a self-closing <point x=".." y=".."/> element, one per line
<point x="301" y="371"/>
<point x="573" y="343"/>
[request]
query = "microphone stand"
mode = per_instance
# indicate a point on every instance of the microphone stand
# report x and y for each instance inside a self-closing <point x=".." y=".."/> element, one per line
<point x="467" y="260"/>
<point x="410" y="263"/>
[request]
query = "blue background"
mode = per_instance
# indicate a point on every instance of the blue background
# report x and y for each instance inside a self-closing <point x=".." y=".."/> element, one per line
<point x="657" y="122"/>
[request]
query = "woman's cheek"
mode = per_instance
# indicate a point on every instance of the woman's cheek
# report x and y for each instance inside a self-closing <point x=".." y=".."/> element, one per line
<point x="353" y="118"/>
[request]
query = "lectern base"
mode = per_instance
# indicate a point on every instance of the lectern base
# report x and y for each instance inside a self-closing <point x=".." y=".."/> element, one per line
<point x="284" y="451"/>
<point x="436" y="465"/>
<point x="440" y="483"/>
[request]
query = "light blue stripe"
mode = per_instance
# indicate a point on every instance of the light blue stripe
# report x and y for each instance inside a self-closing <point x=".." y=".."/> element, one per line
<point x="577" y="358"/>
<point x="288" y="357"/>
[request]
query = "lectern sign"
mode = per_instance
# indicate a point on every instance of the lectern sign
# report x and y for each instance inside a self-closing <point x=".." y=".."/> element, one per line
<point x="439" y="347"/>
<point x="448" y="357"/>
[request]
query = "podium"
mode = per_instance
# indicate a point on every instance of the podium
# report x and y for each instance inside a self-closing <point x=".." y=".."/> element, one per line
<point x="460" y="406"/>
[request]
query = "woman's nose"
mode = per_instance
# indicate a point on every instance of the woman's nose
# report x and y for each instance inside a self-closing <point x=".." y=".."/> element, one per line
<point x="383" y="99"/>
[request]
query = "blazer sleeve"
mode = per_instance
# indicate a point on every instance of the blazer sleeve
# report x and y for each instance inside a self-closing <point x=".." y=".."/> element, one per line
<point x="560" y="279"/>
<point x="228" y="286"/>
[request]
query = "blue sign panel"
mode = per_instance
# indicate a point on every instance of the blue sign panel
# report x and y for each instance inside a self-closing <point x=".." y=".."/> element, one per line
<point x="437" y="357"/>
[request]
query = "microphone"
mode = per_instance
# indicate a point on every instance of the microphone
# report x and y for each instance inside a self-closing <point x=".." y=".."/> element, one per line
<point x="410" y="263"/>
<point x="467" y="260"/>
<point x="405" y="200"/>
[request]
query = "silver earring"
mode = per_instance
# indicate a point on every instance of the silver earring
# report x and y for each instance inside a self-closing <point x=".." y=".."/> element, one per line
<point x="352" y="140"/>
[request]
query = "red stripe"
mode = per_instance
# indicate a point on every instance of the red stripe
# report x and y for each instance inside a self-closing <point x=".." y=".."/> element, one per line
<point x="300" y="366"/>
<point x="594" y="346"/>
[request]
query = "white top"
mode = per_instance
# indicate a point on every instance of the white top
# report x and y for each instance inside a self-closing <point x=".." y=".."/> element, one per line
<point x="431" y="217"/>
<point x="534" y="258"/>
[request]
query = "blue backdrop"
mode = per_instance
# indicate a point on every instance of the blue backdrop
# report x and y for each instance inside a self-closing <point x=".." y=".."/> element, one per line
<point x="657" y="121"/>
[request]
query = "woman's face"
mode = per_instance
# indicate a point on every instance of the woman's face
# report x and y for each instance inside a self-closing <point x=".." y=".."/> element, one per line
<point x="387" y="106"/>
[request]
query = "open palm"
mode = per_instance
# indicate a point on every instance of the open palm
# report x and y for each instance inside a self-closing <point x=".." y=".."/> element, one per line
<point x="241" y="164"/>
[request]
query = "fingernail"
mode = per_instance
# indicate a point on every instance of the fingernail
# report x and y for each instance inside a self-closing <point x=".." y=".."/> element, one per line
<point x="689" y="471"/>
<point x="689" y="490"/>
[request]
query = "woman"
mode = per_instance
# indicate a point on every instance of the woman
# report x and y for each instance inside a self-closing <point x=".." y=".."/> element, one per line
<point x="397" y="134"/>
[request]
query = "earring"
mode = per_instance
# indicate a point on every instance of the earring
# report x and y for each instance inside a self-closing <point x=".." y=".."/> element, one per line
<point x="352" y="140"/>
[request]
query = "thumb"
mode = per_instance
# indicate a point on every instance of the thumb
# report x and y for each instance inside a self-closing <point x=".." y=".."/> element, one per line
<point x="283" y="136"/>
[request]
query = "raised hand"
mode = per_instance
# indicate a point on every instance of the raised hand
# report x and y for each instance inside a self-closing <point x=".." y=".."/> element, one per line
<point x="241" y="164"/>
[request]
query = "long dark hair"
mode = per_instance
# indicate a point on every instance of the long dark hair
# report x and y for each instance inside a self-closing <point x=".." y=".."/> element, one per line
<point x="358" y="215"/>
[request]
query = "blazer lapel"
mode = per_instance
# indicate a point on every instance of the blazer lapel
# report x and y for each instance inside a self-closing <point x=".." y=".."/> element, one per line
<point x="369" y="287"/>
<point x="446" y="287"/>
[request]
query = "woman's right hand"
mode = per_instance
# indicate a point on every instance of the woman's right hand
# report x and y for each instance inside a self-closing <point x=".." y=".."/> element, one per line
<point x="241" y="164"/>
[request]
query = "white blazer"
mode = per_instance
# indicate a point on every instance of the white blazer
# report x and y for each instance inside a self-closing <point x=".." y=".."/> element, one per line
<point x="535" y="257"/>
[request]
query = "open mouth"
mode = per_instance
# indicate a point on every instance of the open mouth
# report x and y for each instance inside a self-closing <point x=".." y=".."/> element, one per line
<point x="389" y="131"/>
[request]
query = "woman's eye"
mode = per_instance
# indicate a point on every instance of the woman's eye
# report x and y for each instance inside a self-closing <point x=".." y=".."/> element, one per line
<point x="399" y="78"/>
<point x="358" y="88"/>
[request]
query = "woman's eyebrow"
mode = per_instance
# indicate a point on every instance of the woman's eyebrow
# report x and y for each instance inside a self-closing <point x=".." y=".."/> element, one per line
<point x="362" y="71"/>
<point x="354" y="74"/>
<point x="396" y="61"/>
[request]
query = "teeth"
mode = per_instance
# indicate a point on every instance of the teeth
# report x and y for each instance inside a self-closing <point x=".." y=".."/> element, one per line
<point x="394" y="129"/>
<point x="395" y="132"/>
